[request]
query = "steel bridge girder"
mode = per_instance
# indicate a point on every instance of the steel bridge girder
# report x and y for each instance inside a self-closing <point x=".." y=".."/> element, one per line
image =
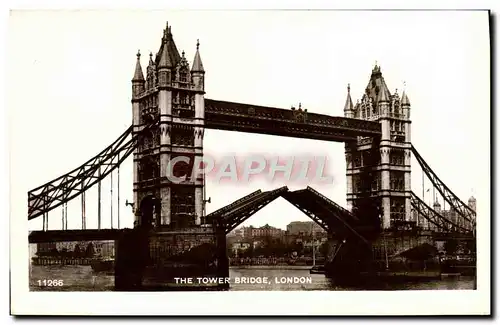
<point x="458" y="205"/>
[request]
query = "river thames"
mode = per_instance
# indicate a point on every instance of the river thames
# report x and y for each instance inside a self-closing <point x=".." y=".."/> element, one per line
<point x="83" y="278"/>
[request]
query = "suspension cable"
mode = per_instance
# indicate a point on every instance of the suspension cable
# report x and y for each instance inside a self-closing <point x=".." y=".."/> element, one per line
<point x="118" y="185"/>
<point x="99" y="201"/>
<point x="83" y="209"/>
<point x="111" y="192"/>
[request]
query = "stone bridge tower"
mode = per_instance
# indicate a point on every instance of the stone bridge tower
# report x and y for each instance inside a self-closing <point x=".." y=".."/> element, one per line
<point x="172" y="93"/>
<point x="388" y="159"/>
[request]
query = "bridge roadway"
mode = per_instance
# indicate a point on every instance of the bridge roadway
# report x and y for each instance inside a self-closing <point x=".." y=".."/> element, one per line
<point x="74" y="235"/>
<point x="229" y="116"/>
<point x="48" y="236"/>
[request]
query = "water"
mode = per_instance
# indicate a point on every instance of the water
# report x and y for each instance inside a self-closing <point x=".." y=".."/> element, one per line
<point x="74" y="278"/>
<point x="83" y="278"/>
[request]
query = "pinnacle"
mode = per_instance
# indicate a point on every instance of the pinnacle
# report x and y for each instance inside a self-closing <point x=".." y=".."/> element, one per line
<point x="197" y="64"/>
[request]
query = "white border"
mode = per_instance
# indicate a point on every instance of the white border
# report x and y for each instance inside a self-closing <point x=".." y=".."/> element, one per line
<point x="241" y="303"/>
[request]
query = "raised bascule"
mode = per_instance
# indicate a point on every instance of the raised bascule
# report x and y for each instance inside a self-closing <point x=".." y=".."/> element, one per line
<point x="173" y="235"/>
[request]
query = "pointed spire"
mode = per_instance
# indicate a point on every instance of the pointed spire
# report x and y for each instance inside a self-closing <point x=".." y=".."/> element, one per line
<point x="165" y="31"/>
<point x="348" y="102"/>
<point x="197" y="64"/>
<point x="404" y="97"/>
<point x="165" y="61"/>
<point x="138" y="75"/>
<point x="384" y="94"/>
<point x="376" y="68"/>
<point x="168" y="56"/>
<point x="151" y="58"/>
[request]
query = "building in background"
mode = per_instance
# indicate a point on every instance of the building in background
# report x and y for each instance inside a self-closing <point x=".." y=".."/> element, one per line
<point x="264" y="231"/>
<point x="68" y="246"/>
<point x="99" y="248"/>
<point x="238" y="232"/>
<point x="449" y="214"/>
<point x="240" y="247"/>
<point x="45" y="247"/>
<point x="304" y="228"/>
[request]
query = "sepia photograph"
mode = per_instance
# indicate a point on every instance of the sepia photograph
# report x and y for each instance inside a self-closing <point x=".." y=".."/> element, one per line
<point x="317" y="155"/>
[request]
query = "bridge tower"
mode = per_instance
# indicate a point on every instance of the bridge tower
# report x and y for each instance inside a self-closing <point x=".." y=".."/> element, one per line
<point x="168" y="119"/>
<point x="388" y="159"/>
<point x="165" y="195"/>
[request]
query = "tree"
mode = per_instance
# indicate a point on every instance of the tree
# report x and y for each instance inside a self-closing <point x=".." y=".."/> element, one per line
<point x="280" y="248"/>
<point x="89" y="251"/>
<point x="77" y="252"/>
<point x="249" y="252"/>
<point x="471" y="246"/>
<point x="323" y="249"/>
<point x="229" y="250"/>
<point x="451" y="246"/>
<point x="297" y="247"/>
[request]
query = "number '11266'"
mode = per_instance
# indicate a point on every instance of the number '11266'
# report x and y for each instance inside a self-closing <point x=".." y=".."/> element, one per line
<point x="50" y="283"/>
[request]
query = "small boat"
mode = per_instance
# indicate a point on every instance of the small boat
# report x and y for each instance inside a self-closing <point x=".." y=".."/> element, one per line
<point x="103" y="265"/>
<point x="318" y="269"/>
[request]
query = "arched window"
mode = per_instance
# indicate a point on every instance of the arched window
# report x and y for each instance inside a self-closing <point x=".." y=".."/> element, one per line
<point x="183" y="76"/>
<point x="148" y="168"/>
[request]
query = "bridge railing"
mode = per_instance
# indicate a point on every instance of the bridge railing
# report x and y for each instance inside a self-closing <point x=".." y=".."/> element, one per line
<point x="231" y="206"/>
<point x="232" y="219"/>
<point x="254" y="198"/>
<point x="338" y="207"/>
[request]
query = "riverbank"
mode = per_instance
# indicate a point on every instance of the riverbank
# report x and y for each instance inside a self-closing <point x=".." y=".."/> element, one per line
<point x="57" y="260"/>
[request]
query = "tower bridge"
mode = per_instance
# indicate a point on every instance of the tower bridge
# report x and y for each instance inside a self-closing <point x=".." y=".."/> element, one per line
<point x="170" y="115"/>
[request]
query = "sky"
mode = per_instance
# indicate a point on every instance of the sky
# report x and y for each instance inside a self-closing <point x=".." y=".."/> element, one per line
<point x="69" y="92"/>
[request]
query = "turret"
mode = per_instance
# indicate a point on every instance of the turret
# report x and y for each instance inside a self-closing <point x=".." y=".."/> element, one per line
<point x="404" y="100"/>
<point x="383" y="100"/>
<point x="167" y="58"/>
<point x="376" y="93"/>
<point x="405" y="105"/>
<point x="348" y="107"/>
<point x="198" y="77"/>
<point x="437" y="206"/>
<point x="197" y="71"/>
<point x="138" y="79"/>
<point x="151" y="73"/>
<point x="376" y="73"/>
<point x="472" y="203"/>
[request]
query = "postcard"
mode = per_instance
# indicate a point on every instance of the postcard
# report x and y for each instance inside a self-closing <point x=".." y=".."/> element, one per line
<point x="312" y="156"/>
